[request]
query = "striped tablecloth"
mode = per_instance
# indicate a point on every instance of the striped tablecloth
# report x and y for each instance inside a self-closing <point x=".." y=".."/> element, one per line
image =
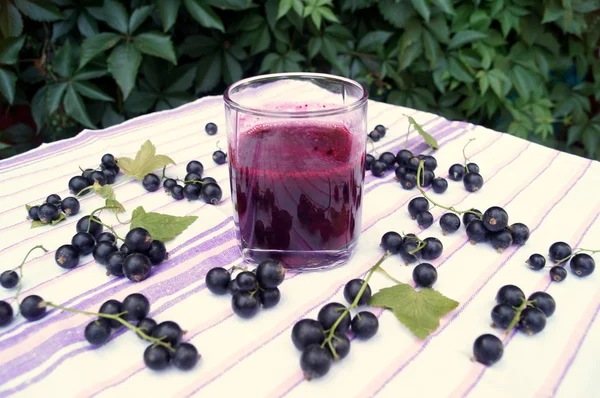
<point x="554" y="193"/>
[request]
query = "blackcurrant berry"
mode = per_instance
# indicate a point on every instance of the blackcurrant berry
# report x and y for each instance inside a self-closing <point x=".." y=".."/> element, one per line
<point x="472" y="168"/>
<point x="177" y="192"/>
<point x="94" y="228"/>
<point x="329" y="314"/>
<point x="381" y="129"/>
<point x="84" y="242"/>
<point x="114" y="263"/>
<point x="33" y="308"/>
<point x="219" y="157"/>
<point x="157" y="253"/>
<point x="306" y="332"/>
<point x="77" y="184"/>
<point x="70" y="206"/>
<point x="543" y="302"/>
<point x="137" y="307"/>
<point x="315" y="362"/>
<point x="246" y="281"/>
<point x="67" y="256"/>
<point x="427" y="177"/>
<point x="97" y="332"/>
<point x="424" y="275"/>
<point x="191" y="191"/>
<point x="449" y="223"/>
<point x="502" y="315"/>
<point x="54" y="199"/>
<point x="400" y="171"/>
<point x="389" y="159"/>
<point x="168" y="332"/>
<point x="351" y="291"/>
<point x="211" y="128"/>
<point x="157" y="357"/>
<point x="439" y="185"/>
<point x="217" y="280"/>
<point x="341" y="345"/>
<point x="194" y="167"/>
<point x="269" y="297"/>
<point x="520" y="233"/>
<point x="168" y="184"/>
<point x="536" y="261"/>
<point x="430" y="163"/>
<point x="112" y="307"/>
<point x="110" y="174"/>
<point x="97" y="177"/>
<point x="456" y="172"/>
<point x="151" y="182"/>
<point x="245" y="304"/>
<point x="270" y="274"/>
<point x="408" y="181"/>
<point x="106" y="237"/>
<point x="146" y="325"/>
<point x="408" y="246"/>
<point x="582" y="264"/>
<point x="417" y="205"/>
<point x="402" y="157"/>
<point x="6" y="313"/>
<point x="47" y="212"/>
<point x="365" y="325"/>
<point x="559" y="251"/>
<point x="531" y="321"/>
<point x="211" y="193"/>
<point x="378" y="168"/>
<point x="9" y="279"/>
<point x="511" y="295"/>
<point x="136" y="267"/>
<point x="369" y="159"/>
<point x="138" y="240"/>
<point x="495" y="219"/>
<point x="558" y="273"/>
<point x="501" y="240"/>
<point x="473" y="214"/>
<point x="433" y="248"/>
<point x="193" y="177"/>
<point x="108" y="160"/>
<point x="477" y="232"/>
<point x="488" y="349"/>
<point x="233" y="287"/>
<point x="206" y="180"/>
<point x="86" y="174"/>
<point x="33" y="213"/>
<point x="392" y="242"/>
<point x="473" y="182"/>
<point x="185" y="357"/>
<point x="102" y="250"/>
<point x="125" y="249"/>
<point x="424" y="219"/>
<point x="375" y="135"/>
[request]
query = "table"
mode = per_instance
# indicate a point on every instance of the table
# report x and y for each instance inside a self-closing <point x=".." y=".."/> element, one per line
<point x="554" y="193"/>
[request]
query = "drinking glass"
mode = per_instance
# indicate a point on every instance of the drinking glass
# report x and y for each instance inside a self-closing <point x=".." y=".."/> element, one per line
<point x="297" y="146"/>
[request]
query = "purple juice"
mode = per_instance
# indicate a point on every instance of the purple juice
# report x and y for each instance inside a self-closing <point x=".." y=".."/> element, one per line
<point x="297" y="192"/>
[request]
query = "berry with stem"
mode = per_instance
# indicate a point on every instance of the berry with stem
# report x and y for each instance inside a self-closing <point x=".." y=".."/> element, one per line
<point x="54" y="199"/>
<point x="351" y="291"/>
<point x="147" y="325"/>
<point x="330" y="315"/>
<point x="558" y="273"/>
<point x="136" y="267"/>
<point x="211" y="193"/>
<point x="432" y="248"/>
<point x="185" y="357"/>
<point x="84" y="242"/>
<point x="157" y="357"/>
<point x="501" y="240"/>
<point x="340" y="344"/>
<point x="315" y="361"/>
<point x="306" y="332"/>
<point x="107" y="237"/>
<point x="47" y="213"/>
<point x="391" y="241"/>
<point x="32" y="308"/>
<point x="582" y="264"/>
<point x="449" y="223"/>
<point x="503" y="315"/>
<point x="20" y="269"/>
<point x="191" y="191"/>
<point x="112" y="307"/>
<point x="269" y="297"/>
<point x="169" y="332"/>
<point x="94" y="227"/>
<point x="67" y="256"/>
<point x="192" y="177"/>
<point x="246" y="281"/>
<point x="510" y="294"/>
<point x="9" y="279"/>
<point x="70" y="206"/>
<point x="456" y="172"/>
<point x="536" y="261"/>
<point x="473" y="214"/>
<point x="473" y="182"/>
<point x="543" y="302"/>
<point x="168" y="184"/>
<point x="364" y="325"/>
<point x="217" y="280"/>
<point x="531" y="321"/>
<point x="97" y="332"/>
<point x="378" y="168"/>
<point x="559" y="251"/>
<point x="97" y="177"/>
<point x="472" y="168"/>
<point x="136" y="306"/>
<point x="219" y="157"/>
<point x="417" y="205"/>
<point x="245" y="304"/>
<point x="77" y="184"/>
<point x="102" y="251"/>
<point x="270" y="274"/>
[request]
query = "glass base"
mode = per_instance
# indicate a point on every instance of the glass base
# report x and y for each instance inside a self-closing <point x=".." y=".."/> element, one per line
<point x="301" y="260"/>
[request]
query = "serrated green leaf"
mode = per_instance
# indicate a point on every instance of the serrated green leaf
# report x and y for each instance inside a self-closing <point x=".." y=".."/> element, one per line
<point x="422" y="8"/>
<point x="466" y="36"/>
<point x="9" y="49"/>
<point x="123" y="64"/>
<point x="370" y="41"/>
<point x="115" y="15"/>
<point x="459" y="71"/>
<point x="91" y="91"/>
<point x="161" y="227"/>
<point x="63" y="27"/>
<point x="55" y="95"/>
<point x="432" y="48"/>
<point x="140" y="101"/>
<point x="8" y="81"/>
<point x="204" y="14"/>
<point x="87" y="25"/>
<point x="63" y="61"/>
<point x="552" y="12"/>
<point x="95" y="45"/>
<point x="428" y="138"/>
<point x="75" y="107"/>
<point x="114" y="206"/>
<point x="146" y="161"/>
<point x="420" y="311"/>
<point x="156" y="44"/>
<point x="284" y="7"/>
<point x="523" y="81"/>
<point x="61" y="217"/>
<point x="104" y="191"/>
<point x="396" y="13"/>
<point x="11" y="22"/>
<point x="39" y="10"/>
<point x="167" y="11"/>
<point x="138" y="16"/>
<point x="439" y="29"/>
<point x="445" y="5"/>
<point x="409" y="55"/>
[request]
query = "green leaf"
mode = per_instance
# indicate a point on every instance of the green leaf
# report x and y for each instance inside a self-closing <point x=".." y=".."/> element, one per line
<point x="420" y="311"/>
<point x="328" y="14"/>
<point x="156" y="44"/>
<point x="167" y="11"/>
<point x="262" y="42"/>
<point x="146" y="161"/>
<point x="63" y="61"/>
<point x="39" y="107"/>
<point x="314" y="46"/>
<point x="87" y="24"/>
<point x="459" y="71"/>
<point x="140" y="101"/>
<point x="9" y="49"/>
<point x="8" y="81"/>
<point x="115" y="15"/>
<point x="61" y="217"/>
<point x="63" y="27"/>
<point x="235" y="5"/>
<point x="445" y="5"/>
<point x="499" y="82"/>
<point x="370" y="41"/>
<point x="90" y="72"/>
<point x="433" y="52"/>
<point x="428" y="138"/>
<point x="422" y="8"/>
<point x="75" y="107"/>
<point x="111" y="118"/>
<point x="104" y="191"/>
<point x="523" y="80"/>
<point x="11" y="22"/>
<point x="396" y="13"/>
<point x="114" y="205"/>
<point x="55" y="95"/>
<point x="138" y="17"/>
<point x="39" y="10"/>
<point x="204" y="14"/>
<point x="181" y="78"/>
<point x="124" y="63"/>
<point x="552" y="12"/>
<point x="162" y="227"/>
<point x="284" y="7"/>
<point x="464" y="37"/>
<point x="209" y="73"/>
<point x="439" y="29"/>
<point x="95" y="45"/>
<point x="232" y="71"/>
<point x="91" y="91"/>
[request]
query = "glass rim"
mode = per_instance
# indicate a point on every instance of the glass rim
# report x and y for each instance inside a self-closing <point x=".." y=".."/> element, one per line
<point x="288" y="114"/>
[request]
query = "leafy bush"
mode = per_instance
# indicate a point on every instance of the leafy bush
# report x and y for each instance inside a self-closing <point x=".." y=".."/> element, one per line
<point x="527" y="67"/>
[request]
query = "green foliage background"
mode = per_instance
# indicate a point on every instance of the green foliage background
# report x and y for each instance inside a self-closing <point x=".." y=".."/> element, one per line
<point x="527" y="67"/>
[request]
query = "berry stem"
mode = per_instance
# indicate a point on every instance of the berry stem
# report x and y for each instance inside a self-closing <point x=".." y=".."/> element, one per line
<point x="465" y="155"/>
<point x="577" y="250"/>
<point x="84" y="191"/>
<point x="517" y="316"/>
<point x="384" y="272"/>
<point x="374" y="150"/>
<point x="452" y="209"/>
<point x="116" y="317"/>
<point x="20" y="268"/>
<point x="235" y="267"/>
<point x="94" y="219"/>
<point x="190" y="181"/>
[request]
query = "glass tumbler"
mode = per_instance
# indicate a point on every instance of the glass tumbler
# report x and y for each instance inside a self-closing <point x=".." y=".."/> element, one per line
<point x="297" y="146"/>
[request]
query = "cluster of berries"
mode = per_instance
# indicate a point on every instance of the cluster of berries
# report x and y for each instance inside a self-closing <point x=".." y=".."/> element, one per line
<point x="54" y="208"/>
<point x="581" y="263"/>
<point x="468" y="174"/>
<point x="411" y="248"/>
<point x="104" y="174"/>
